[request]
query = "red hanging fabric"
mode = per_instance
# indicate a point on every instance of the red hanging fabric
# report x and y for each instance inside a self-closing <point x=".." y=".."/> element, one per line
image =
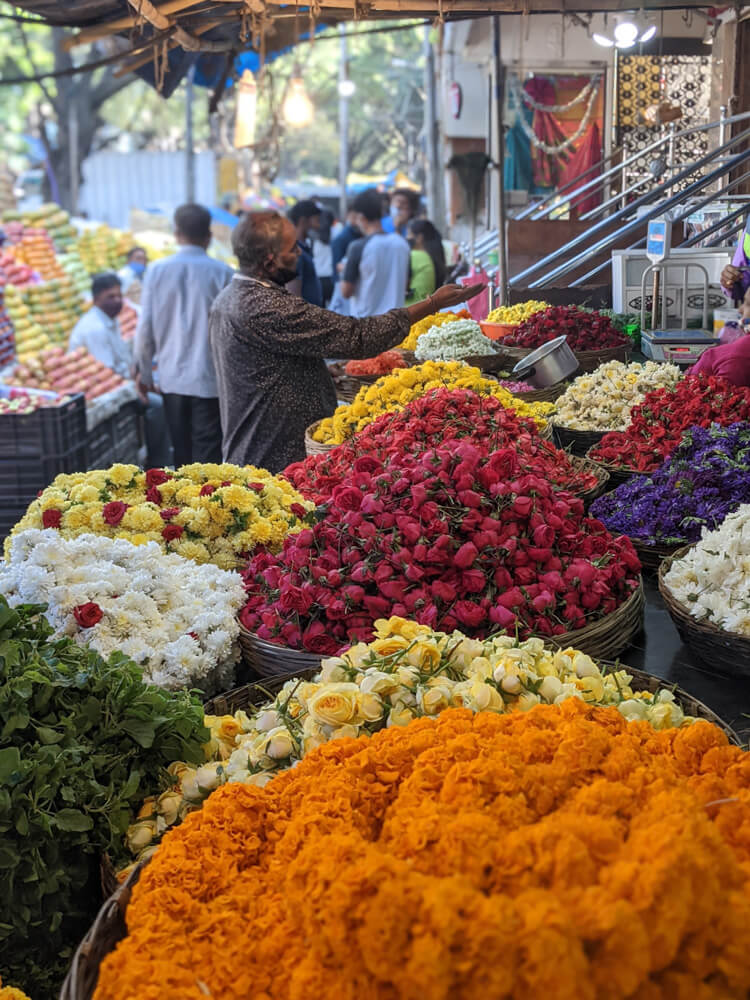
<point x="588" y="153"/>
<point x="547" y="130"/>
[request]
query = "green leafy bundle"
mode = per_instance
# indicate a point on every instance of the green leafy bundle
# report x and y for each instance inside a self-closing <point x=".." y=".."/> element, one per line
<point x="82" y="742"/>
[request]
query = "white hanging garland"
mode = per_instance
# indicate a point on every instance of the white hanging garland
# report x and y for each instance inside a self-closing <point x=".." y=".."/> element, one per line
<point x="557" y="108"/>
<point x="534" y="139"/>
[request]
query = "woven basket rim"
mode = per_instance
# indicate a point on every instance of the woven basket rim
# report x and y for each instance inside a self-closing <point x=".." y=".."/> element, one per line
<point x="603" y="624"/>
<point x="595" y="352"/>
<point x="623" y="470"/>
<point x="585" y="464"/>
<point x="679" y="609"/>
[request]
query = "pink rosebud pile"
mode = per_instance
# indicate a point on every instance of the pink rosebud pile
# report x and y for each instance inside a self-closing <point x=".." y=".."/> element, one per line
<point x="450" y="538"/>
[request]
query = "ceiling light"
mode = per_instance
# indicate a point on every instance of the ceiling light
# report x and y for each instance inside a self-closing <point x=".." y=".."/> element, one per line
<point x="629" y="30"/>
<point x="648" y="34"/>
<point x="626" y="34"/>
<point x="297" y="109"/>
<point x="602" y="40"/>
<point x="346" y="88"/>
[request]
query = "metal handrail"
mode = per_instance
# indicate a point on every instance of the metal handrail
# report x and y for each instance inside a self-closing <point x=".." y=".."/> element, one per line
<point x="688" y="211"/>
<point x="537" y="211"/>
<point x="625" y="213"/>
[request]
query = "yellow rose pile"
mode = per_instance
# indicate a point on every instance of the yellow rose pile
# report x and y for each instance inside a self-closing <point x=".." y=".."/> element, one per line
<point x="436" y="319"/>
<point x="517" y="313"/>
<point x="393" y="392"/>
<point x="603" y="399"/>
<point x="11" y="993"/>
<point x="407" y="672"/>
<point x="207" y="513"/>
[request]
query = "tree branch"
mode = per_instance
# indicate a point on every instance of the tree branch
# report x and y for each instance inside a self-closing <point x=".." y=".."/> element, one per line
<point x="27" y="51"/>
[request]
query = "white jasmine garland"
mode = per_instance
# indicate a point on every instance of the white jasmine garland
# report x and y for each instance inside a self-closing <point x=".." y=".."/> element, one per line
<point x="175" y="618"/>
<point x="712" y="579"/>
<point x="462" y="338"/>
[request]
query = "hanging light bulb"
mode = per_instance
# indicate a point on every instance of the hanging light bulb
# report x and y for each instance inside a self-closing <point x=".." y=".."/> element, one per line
<point x="626" y="34"/>
<point x="247" y="104"/>
<point x="346" y="88"/>
<point x="606" y="43"/>
<point x="629" y="30"/>
<point x="297" y="109"/>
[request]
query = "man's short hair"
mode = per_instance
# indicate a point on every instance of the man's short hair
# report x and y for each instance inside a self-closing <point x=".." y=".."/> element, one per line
<point x="193" y="222"/>
<point x="369" y="204"/>
<point x="306" y="209"/>
<point x="103" y="282"/>
<point x="256" y="236"/>
<point x="415" y="202"/>
<point x="135" y="250"/>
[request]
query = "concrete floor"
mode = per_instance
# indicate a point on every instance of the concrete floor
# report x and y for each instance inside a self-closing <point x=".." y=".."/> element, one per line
<point x="660" y="651"/>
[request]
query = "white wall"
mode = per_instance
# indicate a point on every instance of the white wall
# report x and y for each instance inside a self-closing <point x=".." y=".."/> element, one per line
<point x="115" y="183"/>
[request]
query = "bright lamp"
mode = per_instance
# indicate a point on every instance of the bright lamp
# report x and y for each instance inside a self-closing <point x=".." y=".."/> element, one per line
<point x="297" y="109"/>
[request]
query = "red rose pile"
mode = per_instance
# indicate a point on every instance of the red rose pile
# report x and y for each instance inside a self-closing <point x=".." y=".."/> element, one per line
<point x="658" y="423"/>
<point x="440" y="415"/>
<point x="449" y="538"/>
<point x="383" y="364"/>
<point x="585" y="331"/>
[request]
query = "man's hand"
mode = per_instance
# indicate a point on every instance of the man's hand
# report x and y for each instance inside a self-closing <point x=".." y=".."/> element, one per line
<point x="140" y="388"/>
<point x="730" y="276"/>
<point x="453" y="295"/>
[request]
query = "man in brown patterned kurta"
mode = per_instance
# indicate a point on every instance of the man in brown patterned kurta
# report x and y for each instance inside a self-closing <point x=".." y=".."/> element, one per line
<point x="269" y="346"/>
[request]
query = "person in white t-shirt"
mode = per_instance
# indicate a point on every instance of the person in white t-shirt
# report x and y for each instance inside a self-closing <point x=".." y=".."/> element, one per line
<point x="376" y="273"/>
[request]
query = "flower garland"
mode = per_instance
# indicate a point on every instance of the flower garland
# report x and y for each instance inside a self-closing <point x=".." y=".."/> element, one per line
<point x="571" y="140"/>
<point x="449" y="538"/>
<point x="712" y="580"/>
<point x="395" y="391"/>
<point x="423" y="325"/>
<point x="562" y="852"/>
<point x="603" y="399"/>
<point x="581" y="96"/>
<point x="453" y="342"/>
<point x="440" y="415"/>
<point x="407" y="672"/>
<point x="175" y="619"/>
<point x="205" y="513"/>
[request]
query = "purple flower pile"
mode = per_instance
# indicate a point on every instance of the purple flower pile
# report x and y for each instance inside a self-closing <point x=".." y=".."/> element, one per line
<point x="705" y="478"/>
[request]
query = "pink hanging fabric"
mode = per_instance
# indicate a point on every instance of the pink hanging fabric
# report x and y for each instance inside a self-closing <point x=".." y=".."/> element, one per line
<point x="547" y="130"/>
<point x="588" y="153"/>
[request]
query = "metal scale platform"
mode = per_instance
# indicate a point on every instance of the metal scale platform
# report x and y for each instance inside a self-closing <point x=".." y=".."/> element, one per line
<point x="681" y="346"/>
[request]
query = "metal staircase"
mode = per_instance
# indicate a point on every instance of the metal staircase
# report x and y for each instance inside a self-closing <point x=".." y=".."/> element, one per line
<point x="644" y="191"/>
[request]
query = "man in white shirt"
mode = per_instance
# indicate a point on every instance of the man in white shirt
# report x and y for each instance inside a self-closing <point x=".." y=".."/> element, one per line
<point x="173" y="326"/>
<point x="99" y="333"/>
<point x="376" y="272"/>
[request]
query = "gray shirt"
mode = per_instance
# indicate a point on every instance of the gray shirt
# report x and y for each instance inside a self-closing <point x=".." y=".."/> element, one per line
<point x="268" y="348"/>
<point x="173" y="324"/>
<point x="100" y="335"/>
<point x="378" y="267"/>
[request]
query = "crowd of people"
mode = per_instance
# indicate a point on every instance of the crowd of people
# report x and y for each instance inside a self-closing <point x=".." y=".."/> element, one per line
<point x="231" y="365"/>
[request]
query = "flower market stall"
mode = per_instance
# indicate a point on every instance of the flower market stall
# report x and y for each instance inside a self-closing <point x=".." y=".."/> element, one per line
<point x="386" y="707"/>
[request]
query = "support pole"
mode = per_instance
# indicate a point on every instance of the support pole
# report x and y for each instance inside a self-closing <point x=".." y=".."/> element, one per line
<point x="434" y="174"/>
<point x="73" y="151"/>
<point x="498" y="74"/>
<point x="189" y="144"/>
<point x="343" y="122"/>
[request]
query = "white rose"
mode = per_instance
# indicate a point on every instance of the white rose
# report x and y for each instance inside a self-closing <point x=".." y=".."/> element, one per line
<point x="511" y="684"/>
<point x="633" y="710"/>
<point x="280" y="744"/>
<point x="550" y="688"/>
<point x="267" y="720"/>
<point x="334" y="704"/>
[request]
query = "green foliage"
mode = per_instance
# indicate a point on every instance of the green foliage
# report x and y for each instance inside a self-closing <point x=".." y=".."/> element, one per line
<point x="82" y="742"/>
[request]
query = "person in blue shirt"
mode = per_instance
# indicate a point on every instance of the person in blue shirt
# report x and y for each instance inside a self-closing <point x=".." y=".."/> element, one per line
<point x="340" y="243"/>
<point x="305" y="217"/>
<point x="405" y="206"/>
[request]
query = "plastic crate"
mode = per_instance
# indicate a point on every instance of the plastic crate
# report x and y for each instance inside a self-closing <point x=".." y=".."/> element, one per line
<point x="100" y="445"/>
<point x="12" y="510"/>
<point x="21" y="479"/>
<point x="126" y="420"/>
<point x="53" y="431"/>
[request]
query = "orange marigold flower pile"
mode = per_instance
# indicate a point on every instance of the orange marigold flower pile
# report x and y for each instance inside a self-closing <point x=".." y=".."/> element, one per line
<point x="559" y="854"/>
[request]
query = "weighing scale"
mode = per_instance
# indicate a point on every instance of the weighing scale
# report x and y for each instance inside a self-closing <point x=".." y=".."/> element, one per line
<point x="680" y="346"/>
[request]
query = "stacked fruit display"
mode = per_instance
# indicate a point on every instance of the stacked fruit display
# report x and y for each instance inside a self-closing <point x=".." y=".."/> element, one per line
<point x="56" y="305"/>
<point x="7" y="336"/>
<point x="54" y="220"/>
<point x="65" y="373"/>
<point x="103" y="249"/>
<point x="128" y="320"/>
<point x="29" y="335"/>
<point x="37" y="251"/>
<point x="7" y="196"/>
<point x="12" y="272"/>
<point x="20" y="402"/>
<point x="74" y="267"/>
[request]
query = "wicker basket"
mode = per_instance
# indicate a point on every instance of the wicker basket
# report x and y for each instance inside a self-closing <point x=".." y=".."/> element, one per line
<point x="652" y="556"/>
<point x="269" y="660"/>
<point x="254" y="695"/>
<point x="584" y="465"/>
<point x="589" y="361"/>
<point x="618" y="474"/>
<point x="548" y="395"/>
<point x="347" y="388"/>
<point x="720" y="650"/>
<point x="578" y="442"/>
<point x="546" y="432"/>
<point x="606" y="638"/>
<point x="315" y="447"/>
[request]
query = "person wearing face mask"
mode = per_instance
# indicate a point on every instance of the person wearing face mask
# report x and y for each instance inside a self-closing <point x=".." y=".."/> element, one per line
<point x="405" y="205"/>
<point x="269" y="347"/>
<point x="131" y="275"/>
<point x="99" y="333"/>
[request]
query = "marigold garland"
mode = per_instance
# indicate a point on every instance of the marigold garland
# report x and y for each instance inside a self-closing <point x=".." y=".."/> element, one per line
<point x="563" y="853"/>
<point x="393" y="392"/>
<point x="207" y="513"/>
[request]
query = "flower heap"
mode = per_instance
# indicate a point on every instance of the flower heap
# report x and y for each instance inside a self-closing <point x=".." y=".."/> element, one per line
<point x="563" y="852"/>
<point x="435" y="319"/>
<point x="380" y="365"/>
<point x="406" y="673"/>
<point x="585" y="331"/>
<point x="657" y="425"/>
<point x="602" y="401"/>
<point x="517" y="313"/>
<point x="448" y="538"/>
<point x="712" y="580"/>
<point x="206" y="513"/>
<point x="395" y="391"/>
<point x="453" y="341"/>
<point x="439" y="415"/>
<point x="705" y="479"/>
<point x="11" y="993"/>
<point x="175" y="619"/>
